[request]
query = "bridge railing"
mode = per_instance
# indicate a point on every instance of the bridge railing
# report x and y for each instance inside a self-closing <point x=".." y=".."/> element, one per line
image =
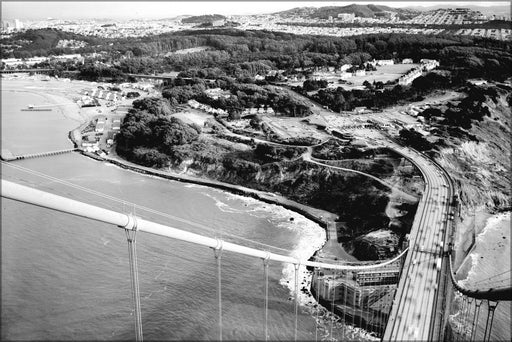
<point x="363" y="301"/>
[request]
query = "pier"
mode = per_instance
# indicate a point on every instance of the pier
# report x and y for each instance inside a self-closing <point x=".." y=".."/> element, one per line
<point x="6" y="155"/>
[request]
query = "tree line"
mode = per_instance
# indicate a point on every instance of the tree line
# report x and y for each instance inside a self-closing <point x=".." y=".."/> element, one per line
<point x="231" y="48"/>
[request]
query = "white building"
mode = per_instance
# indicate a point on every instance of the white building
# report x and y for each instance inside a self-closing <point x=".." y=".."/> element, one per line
<point x="385" y="62"/>
<point x="410" y="76"/>
<point x="12" y="62"/>
<point x="18" y="25"/>
<point x="347" y="17"/>
<point x="66" y="58"/>
<point x="429" y="64"/>
<point x="345" y="67"/>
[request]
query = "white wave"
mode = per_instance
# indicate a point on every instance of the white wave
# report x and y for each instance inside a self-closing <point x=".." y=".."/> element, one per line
<point x="311" y="237"/>
<point x="192" y="185"/>
<point x="224" y="207"/>
<point x="474" y="262"/>
<point x="494" y="223"/>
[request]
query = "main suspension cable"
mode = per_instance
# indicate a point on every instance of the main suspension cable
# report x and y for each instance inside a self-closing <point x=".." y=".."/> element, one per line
<point x="124" y="203"/>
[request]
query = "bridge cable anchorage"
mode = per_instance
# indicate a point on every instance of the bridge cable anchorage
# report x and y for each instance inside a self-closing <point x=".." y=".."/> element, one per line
<point x="265" y="274"/>
<point x="476" y="313"/>
<point x="130" y="229"/>
<point x="296" y="266"/>
<point x="218" y="256"/>
<point x="490" y="314"/>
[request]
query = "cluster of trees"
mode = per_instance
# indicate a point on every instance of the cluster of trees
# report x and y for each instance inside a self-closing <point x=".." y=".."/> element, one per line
<point x="153" y="105"/>
<point x="40" y="42"/>
<point x="471" y="108"/>
<point x="311" y="85"/>
<point x="148" y="136"/>
<point x="414" y="139"/>
<point x="246" y="53"/>
<point x="242" y="96"/>
<point x="95" y="71"/>
<point x="377" y="97"/>
<point x="182" y="94"/>
<point x="270" y="153"/>
<point x="337" y="150"/>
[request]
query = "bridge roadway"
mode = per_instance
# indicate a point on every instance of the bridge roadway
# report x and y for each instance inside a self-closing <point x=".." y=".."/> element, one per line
<point x="415" y="312"/>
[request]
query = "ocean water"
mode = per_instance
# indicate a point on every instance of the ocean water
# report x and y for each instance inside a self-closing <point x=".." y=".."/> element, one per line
<point x="26" y="132"/>
<point x="490" y="268"/>
<point x="67" y="278"/>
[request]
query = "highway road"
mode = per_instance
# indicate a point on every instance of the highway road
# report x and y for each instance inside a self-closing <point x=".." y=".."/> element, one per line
<point x="415" y="312"/>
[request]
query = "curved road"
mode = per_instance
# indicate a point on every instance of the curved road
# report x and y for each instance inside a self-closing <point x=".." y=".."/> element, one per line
<point x="417" y="311"/>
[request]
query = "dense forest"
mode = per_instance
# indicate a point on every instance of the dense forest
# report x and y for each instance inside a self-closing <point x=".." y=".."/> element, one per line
<point x="229" y="48"/>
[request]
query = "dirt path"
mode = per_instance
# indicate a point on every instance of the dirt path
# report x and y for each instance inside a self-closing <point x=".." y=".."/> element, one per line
<point x="396" y="192"/>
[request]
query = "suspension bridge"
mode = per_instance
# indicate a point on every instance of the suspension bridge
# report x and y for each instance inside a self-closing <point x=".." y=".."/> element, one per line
<point x="406" y="298"/>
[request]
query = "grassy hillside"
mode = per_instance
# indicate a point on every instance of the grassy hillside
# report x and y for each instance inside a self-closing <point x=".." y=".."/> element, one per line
<point x="203" y="19"/>
<point x="365" y="11"/>
<point x="479" y="162"/>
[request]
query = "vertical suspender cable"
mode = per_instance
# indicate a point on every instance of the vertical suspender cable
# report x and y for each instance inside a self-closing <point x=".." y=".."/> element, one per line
<point x="332" y="302"/>
<point x="218" y="256"/>
<point x="468" y="310"/>
<point x="345" y="306"/>
<point x="134" y="277"/>
<point x="317" y="272"/>
<point x="379" y="310"/>
<point x="490" y="315"/>
<point x="457" y="326"/>
<point x="296" y="299"/>
<point x="475" y="319"/>
<point x="364" y="310"/>
<point x="461" y="321"/>
<point x="265" y="271"/>
<point x="354" y="292"/>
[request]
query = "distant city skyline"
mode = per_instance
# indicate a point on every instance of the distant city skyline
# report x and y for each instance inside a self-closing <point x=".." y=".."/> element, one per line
<point x="159" y="9"/>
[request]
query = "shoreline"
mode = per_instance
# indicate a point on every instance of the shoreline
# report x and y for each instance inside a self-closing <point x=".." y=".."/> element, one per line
<point x="319" y="216"/>
<point x="306" y="298"/>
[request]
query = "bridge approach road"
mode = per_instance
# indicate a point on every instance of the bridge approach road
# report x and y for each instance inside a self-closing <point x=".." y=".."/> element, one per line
<point x="414" y="314"/>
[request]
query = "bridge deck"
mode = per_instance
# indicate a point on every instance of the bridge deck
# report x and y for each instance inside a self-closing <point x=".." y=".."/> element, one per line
<point x="413" y="315"/>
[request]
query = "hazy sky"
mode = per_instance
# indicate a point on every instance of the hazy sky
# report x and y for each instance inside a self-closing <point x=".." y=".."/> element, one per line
<point x="166" y="9"/>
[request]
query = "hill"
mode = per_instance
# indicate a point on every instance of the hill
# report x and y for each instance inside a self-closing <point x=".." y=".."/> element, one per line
<point x="365" y="11"/>
<point x="199" y="19"/>
<point x="486" y="10"/>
